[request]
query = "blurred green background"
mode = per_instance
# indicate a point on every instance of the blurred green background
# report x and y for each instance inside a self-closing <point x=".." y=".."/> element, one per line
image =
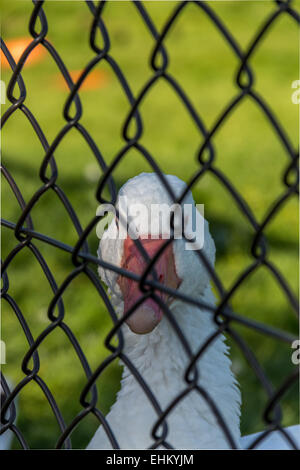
<point x="248" y="152"/>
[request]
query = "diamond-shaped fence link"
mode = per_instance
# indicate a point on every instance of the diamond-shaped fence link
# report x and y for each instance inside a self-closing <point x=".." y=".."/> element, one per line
<point x="25" y="234"/>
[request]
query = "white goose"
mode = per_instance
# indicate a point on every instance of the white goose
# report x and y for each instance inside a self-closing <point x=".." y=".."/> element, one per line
<point x="159" y="355"/>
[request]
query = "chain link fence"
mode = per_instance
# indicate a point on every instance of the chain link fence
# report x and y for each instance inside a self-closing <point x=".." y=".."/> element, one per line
<point x="25" y="234"/>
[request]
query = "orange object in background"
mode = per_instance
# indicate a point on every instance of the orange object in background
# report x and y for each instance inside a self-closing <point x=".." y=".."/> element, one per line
<point x="17" y="46"/>
<point x="95" y="79"/>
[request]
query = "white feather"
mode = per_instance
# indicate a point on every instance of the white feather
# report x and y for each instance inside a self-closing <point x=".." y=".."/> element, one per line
<point x="7" y="437"/>
<point x="275" y="440"/>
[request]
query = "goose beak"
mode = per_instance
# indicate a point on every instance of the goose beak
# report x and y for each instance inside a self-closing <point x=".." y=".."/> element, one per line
<point x="148" y="315"/>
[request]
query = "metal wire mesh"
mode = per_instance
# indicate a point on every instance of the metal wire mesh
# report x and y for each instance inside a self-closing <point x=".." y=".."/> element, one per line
<point x="25" y="234"/>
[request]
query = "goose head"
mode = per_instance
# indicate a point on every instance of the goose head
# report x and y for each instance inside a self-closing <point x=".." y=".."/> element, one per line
<point x="147" y="204"/>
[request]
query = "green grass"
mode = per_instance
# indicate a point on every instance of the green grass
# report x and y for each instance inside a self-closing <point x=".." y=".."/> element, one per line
<point x="247" y="151"/>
